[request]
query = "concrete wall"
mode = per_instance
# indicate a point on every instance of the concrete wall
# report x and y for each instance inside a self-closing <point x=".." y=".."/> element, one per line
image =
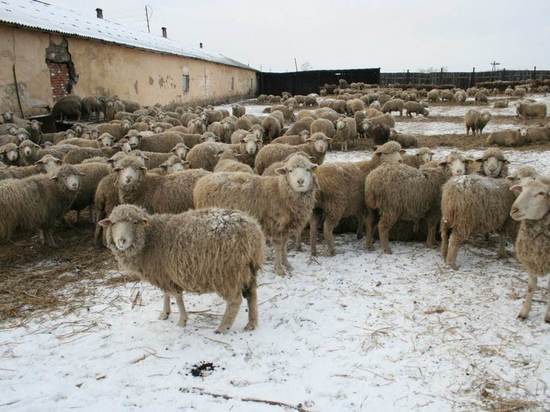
<point x="107" y="69"/>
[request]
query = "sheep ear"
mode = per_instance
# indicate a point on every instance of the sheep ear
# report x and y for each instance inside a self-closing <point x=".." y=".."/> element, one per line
<point x="186" y="163"/>
<point x="469" y="161"/>
<point x="81" y="174"/>
<point x="402" y="151"/>
<point x="281" y="171"/>
<point x="53" y="177"/>
<point x="314" y="166"/>
<point x="105" y="223"/>
<point x="329" y="139"/>
<point x="145" y="221"/>
<point x="116" y="169"/>
<point x="443" y="163"/>
<point x="506" y="161"/>
<point x="516" y="188"/>
<point x="143" y="167"/>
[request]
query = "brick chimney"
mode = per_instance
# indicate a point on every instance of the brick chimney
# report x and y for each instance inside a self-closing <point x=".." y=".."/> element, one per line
<point x="164" y="33"/>
<point x="99" y="13"/>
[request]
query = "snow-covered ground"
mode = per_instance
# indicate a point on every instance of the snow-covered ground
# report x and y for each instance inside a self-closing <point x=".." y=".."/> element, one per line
<point x="357" y="331"/>
<point x="429" y="128"/>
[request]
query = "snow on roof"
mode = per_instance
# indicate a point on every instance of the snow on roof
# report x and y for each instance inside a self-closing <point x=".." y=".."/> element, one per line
<point x="48" y="17"/>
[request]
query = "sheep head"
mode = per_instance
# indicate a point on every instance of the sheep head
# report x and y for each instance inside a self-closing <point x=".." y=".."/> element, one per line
<point x="298" y="171"/>
<point x="533" y="202"/>
<point x="125" y="229"/>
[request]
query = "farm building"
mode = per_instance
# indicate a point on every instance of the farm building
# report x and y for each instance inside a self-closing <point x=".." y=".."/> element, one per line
<point x="49" y="52"/>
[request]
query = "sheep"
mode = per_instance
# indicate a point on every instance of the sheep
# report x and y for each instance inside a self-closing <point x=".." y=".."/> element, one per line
<point x="205" y="155"/>
<point x="58" y="137"/>
<point x="537" y="134"/>
<point x="460" y="97"/>
<point x="476" y="121"/>
<point x="300" y="125"/>
<point x="507" y="138"/>
<point x="473" y="205"/>
<point x="243" y="123"/>
<point x="433" y="96"/>
<point x="238" y="110"/>
<point x="419" y="158"/>
<point x="161" y="142"/>
<point x="416" y="108"/>
<point x="354" y="105"/>
<point x="294" y="139"/>
<point x="282" y="204"/>
<point x="341" y="192"/>
<point x="75" y="156"/>
<point x="327" y="113"/>
<point x="531" y="110"/>
<point x="520" y="92"/>
<point x="446" y="95"/>
<point x="493" y="163"/>
<point x="500" y="104"/>
<point x="37" y="202"/>
<point x="324" y="126"/>
<point x="90" y="105"/>
<point x="9" y="154"/>
<point x="346" y="131"/>
<point x="105" y="140"/>
<point x="48" y="164"/>
<point x="91" y="173"/>
<point x="316" y="146"/>
<point x="67" y="106"/>
<point x="405" y="140"/>
<point x="196" y="126"/>
<point x="158" y="194"/>
<point x="385" y="119"/>
<point x="193" y="251"/>
<point x="228" y="161"/>
<point x="402" y="192"/>
<point x="30" y="152"/>
<point x="394" y="105"/>
<point x="279" y="115"/>
<point x="288" y="114"/>
<point x="521" y="174"/>
<point x="159" y="127"/>
<point x="481" y="98"/>
<point x="533" y="240"/>
<point x="117" y="130"/>
<point x="272" y="127"/>
<point x="173" y="164"/>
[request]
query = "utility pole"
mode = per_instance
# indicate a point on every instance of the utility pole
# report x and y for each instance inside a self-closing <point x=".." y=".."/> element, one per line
<point x="295" y="64"/>
<point x="495" y="64"/>
<point x="147" y="17"/>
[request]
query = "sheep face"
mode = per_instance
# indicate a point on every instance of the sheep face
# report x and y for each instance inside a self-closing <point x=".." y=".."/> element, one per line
<point x="158" y="129"/>
<point x="340" y="124"/>
<point x="8" y="117"/>
<point x="22" y="135"/>
<point x="250" y="143"/>
<point x="299" y="173"/>
<point x="69" y="177"/>
<point x="35" y="125"/>
<point x="492" y="166"/>
<point x="27" y="148"/>
<point x="12" y="130"/>
<point x="174" y="166"/>
<point x="106" y="140"/>
<point x="533" y="202"/>
<point x="49" y="164"/>
<point x="129" y="176"/>
<point x="69" y="134"/>
<point x="425" y="157"/>
<point x="126" y="229"/>
<point x="11" y="154"/>
<point x="78" y="129"/>
<point x="180" y="150"/>
<point x="94" y="134"/>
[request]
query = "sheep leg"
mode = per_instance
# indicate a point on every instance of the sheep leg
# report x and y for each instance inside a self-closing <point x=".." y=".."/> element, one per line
<point x="531" y="287"/>
<point x="444" y="239"/>
<point x="298" y="241"/>
<point x="252" y="301"/>
<point x="286" y="263"/>
<point x="430" y="239"/>
<point x="98" y="235"/>
<point x="231" y="310"/>
<point x="547" y="317"/>
<point x="384" y="226"/>
<point x="360" y="233"/>
<point x="502" y="253"/>
<point x="42" y="236"/>
<point x="278" y="263"/>
<point x="165" y="312"/>
<point x="328" y="227"/>
<point x="454" y="245"/>
<point x="313" y="234"/>
<point x="369" y="241"/>
<point x="182" y="321"/>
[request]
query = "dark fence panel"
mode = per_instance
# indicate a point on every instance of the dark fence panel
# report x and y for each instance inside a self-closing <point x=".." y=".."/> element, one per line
<point x="310" y="81"/>
<point x="462" y="79"/>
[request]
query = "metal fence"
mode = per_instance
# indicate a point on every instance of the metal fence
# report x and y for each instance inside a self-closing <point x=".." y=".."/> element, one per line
<point x="304" y="82"/>
<point x="462" y="79"/>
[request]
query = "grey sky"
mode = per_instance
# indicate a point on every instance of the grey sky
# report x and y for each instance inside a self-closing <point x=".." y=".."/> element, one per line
<point x="392" y="35"/>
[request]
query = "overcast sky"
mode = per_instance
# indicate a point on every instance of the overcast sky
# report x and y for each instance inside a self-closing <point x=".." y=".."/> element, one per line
<point x="337" y="34"/>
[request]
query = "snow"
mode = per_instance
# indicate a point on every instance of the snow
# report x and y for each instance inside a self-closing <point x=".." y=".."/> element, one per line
<point x="48" y="17"/>
<point x="356" y="331"/>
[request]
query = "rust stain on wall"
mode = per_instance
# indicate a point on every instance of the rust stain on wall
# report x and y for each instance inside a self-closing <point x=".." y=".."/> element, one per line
<point x="136" y="87"/>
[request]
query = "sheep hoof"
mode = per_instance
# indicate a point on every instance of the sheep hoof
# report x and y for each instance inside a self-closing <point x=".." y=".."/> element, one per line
<point x="163" y="315"/>
<point x="221" y="330"/>
<point x="250" y="326"/>
<point x="522" y="315"/>
<point x="388" y="252"/>
<point x="182" y="322"/>
<point x="453" y="266"/>
<point x="312" y="259"/>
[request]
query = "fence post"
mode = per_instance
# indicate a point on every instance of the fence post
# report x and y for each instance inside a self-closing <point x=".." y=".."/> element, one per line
<point x="408" y="77"/>
<point x="535" y="73"/>
<point x="473" y="77"/>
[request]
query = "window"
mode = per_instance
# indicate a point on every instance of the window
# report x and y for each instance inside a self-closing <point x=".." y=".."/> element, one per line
<point x="232" y="83"/>
<point x="186" y="83"/>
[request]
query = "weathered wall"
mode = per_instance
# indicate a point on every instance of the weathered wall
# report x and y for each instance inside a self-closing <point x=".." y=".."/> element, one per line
<point x="103" y="68"/>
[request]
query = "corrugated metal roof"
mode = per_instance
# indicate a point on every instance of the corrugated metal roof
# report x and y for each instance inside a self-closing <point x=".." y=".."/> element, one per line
<point x="48" y="17"/>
